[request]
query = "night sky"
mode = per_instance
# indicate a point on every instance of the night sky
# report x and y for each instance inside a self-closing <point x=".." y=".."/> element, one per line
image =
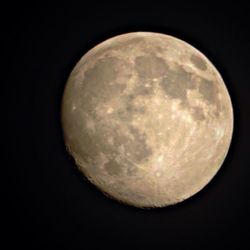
<point x="46" y="202"/>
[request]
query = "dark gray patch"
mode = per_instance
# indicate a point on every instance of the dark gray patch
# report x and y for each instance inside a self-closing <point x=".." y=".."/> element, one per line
<point x="217" y="113"/>
<point x="142" y="90"/>
<point x="139" y="148"/>
<point x="132" y="169"/>
<point x="150" y="66"/>
<point x="136" y="197"/>
<point x="104" y="71"/>
<point x="96" y="83"/>
<point x="84" y="146"/>
<point x="113" y="168"/>
<point x="78" y="135"/>
<point x="132" y="109"/>
<point x="130" y="196"/>
<point x="198" y="114"/>
<point x="124" y="115"/>
<point x="122" y="45"/>
<point x="127" y="112"/>
<point x="208" y="90"/>
<point x="198" y="62"/>
<point x="95" y="143"/>
<point x="159" y="49"/>
<point x="176" y="82"/>
<point x="139" y="91"/>
<point x="85" y="157"/>
<point x="120" y="139"/>
<point x="220" y="108"/>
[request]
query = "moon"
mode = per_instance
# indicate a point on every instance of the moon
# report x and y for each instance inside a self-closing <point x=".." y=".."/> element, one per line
<point x="147" y="119"/>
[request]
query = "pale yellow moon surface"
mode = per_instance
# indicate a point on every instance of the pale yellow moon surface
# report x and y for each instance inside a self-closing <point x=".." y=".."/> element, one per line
<point x="147" y="118"/>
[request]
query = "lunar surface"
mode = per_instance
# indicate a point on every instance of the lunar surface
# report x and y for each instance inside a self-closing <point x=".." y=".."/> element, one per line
<point x="147" y="118"/>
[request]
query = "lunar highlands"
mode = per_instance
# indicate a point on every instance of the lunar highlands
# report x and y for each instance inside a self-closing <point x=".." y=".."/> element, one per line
<point x="147" y="118"/>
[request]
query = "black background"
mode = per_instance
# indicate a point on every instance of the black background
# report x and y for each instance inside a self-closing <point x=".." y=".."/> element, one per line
<point x="48" y="202"/>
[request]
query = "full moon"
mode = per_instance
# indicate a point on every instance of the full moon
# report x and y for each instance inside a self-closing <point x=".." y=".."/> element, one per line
<point x="147" y="119"/>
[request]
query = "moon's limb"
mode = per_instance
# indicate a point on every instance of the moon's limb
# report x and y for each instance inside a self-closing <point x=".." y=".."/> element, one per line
<point x="147" y="118"/>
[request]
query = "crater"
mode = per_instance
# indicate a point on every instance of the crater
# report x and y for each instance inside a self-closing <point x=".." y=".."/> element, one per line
<point x="176" y="82"/>
<point x="198" y="62"/>
<point x="150" y="66"/>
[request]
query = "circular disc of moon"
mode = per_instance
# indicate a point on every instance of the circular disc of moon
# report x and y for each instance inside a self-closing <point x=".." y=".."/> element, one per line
<point x="147" y="118"/>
